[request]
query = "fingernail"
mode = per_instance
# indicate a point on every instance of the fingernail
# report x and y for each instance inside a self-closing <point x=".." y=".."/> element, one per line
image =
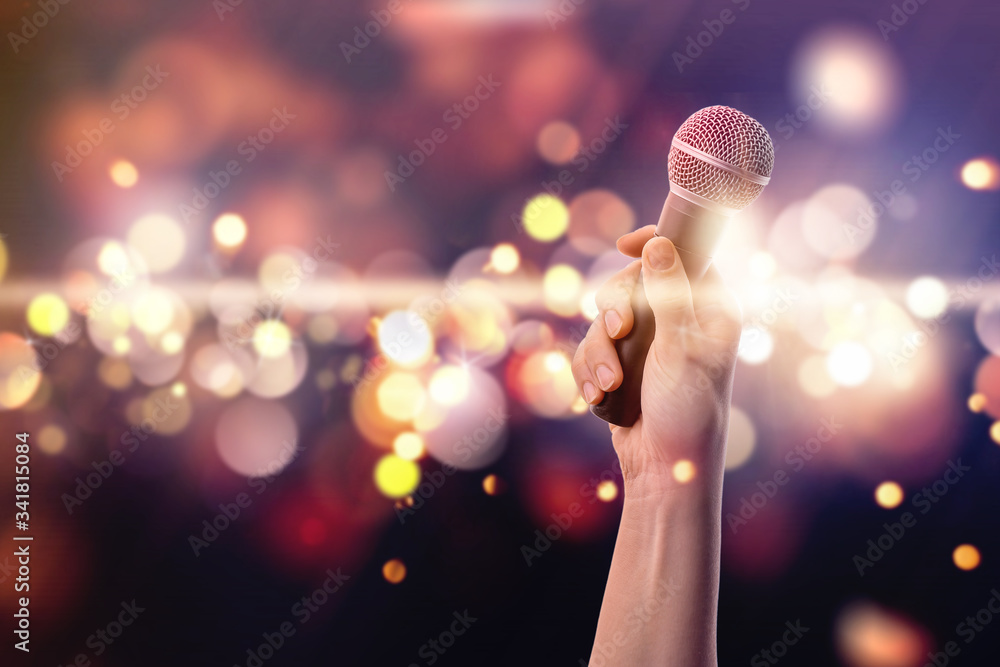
<point x="605" y="377"/>
<point x="661" y="255"/>
<point x="589" y="392"/>
<point x="613" y="322"/>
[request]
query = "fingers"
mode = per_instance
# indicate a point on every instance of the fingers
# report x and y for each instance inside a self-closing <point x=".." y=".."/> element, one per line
<point x="614" y="301"/>
<point x="667" y="290"/>
<point x="716" y="308"/>
<point x="596" y="367"/>
<point x="631" y="244"/>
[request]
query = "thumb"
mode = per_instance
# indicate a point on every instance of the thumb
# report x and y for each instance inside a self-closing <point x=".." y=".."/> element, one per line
<point x="667" y="289"/>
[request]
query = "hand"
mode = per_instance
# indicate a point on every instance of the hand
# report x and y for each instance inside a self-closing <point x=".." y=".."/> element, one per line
<point x="687" y="380"/>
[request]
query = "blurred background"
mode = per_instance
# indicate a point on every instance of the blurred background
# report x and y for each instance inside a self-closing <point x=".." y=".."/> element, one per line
<point x="289" y="291"/>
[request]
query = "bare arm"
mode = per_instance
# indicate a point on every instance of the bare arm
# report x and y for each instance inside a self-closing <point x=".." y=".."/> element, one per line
<point x="661" y="599"/>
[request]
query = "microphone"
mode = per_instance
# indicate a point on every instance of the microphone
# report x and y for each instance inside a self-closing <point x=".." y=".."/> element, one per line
<point x="720" y="160"/>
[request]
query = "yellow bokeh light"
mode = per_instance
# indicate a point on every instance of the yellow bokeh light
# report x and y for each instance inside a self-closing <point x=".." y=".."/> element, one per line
<point x="562" y="286"/>
<point x="396" y="477"/>
<point x="3" y="259"/>
<point x="178" y="389"/>
<point x="121" y="345"/>
<point x="123" y="173"/>
<point x="450" y="385"/>
<point x="48" y="314"/>
<point x="545" y="218"/>
<point x="967" y="557"/>
<point x="272" y="339"/>
<point x="112" y="259"/>
<point x="153" y="311"/>
<point x="229" y="230"/>
<point x="889" y="495"/>
<point x="684" y="471"/>
<point x="159" y="239"/>
<point x="504" y="258"/>
<point x="607" y="490"/>
<point x="172" y="342"/>
<point x="491" y="485"/>
<point x="52" y="439"/>
<point x="394" y="571"/>
<point x="401" y="396"/>
<point x="927" y="297"/>
<point x="995" y="432"/>
<point x="849" y="364"/>
<point x="981" y="174"/>
<point x="977" y="402"/>
<point x="20" y="374"/>
<point x="408" y="445"/>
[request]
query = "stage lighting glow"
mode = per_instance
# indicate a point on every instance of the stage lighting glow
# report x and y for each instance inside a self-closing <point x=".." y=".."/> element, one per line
<point x="814" y="378"/>
<point x="927" y="297"/>
<point x="114" y="372"/>
<point x="742" y="439"/>
<point x="607" y="490"/>
<point x="449" y="385"/>
<point x="967" y="557"/>
<point x="561" y="287"/>
<point x="123" y="173"/>
<point x="272" y="338"/>
<point x="848" y="80"/>
<point x="408" y="445"/>
<point x="153" y="311"/>
<point x="756" y="345"/>
<point x="256" y="438"/>
<point x="394" y="571"/>
<point x="988" y="325"/>
<point x="19" y="374"/>
<point x="51" y="439"/>
<point x="48" y="314"/>
<point x="545" y="218"/>
<point x="401" y="396"/>
<point x="558" y="142"/>
<point x="849" y="364"/>
<point x="504" y="258"/>
<point x="396" y="477"/>
<point x="160" y="240"/>
<point x="229" y="230"/>
<point x="889" y="495"/>
<point x="684" y="471"/>
<point x="981" y="174"/>
<point x="405" y="338"/>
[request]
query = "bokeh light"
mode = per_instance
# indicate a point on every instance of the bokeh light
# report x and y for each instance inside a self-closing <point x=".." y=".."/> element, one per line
<point x="272" y="339"/>
<point x="562" y="286"/>
<point x="849" y="364"/>
<point x="394" y="571"/>
<point x="409" y="445"/>
<point x="889" y="495"/>
<point x="401" y="396"/>
<point x="756" y="345"/>
<point x="229" y="230"/>
<point x="607" y="490"/>
<point x="405" y="338"/>
<point x="160" y="240"/>
<point x="48" y="314"/>
<point x="19" y="371"/>
<point x="504" y="258"/>
<point x="123" y="173"/>
<point x="545" y="218"/>
<point x="967" y="557"/>
<point x="396" y="477"/>
<point x="927" y="297"/>
<point x="981" y="174"/>
<point x="684" y="471"/>
<point x="256" y="438"/>
<point x="449" y="385"/>
<point x="988" y="324"/>
<point x="558" y="142"/>
<point x="742" y="439"/>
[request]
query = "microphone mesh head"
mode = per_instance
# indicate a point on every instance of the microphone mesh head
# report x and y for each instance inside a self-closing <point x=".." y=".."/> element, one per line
<point x="732" y="137"/>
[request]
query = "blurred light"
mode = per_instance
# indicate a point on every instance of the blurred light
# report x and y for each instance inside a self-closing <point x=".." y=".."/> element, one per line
<point x="545" y="218"/>
<point x="607" y="490"/>
<point x="256" y="438"/>
<point x="169" y="412"/>
<point x="123" y="173"/>
<point x="112" y="259"/>
<point x="889" y="495"/>
<point x="322" y="329"/>
<point x="396" y="477"/>
<point x="504" y="258"/>
<point x="153" y="311"/>
<point x="995" y="432"/>
<point x="987" y="383"/>
<point x="547" y="385"/>
<point x="814" y="378"/>
<point x="326" y="379"/>
<point x="114" y="372"/>
<point x="178" y="389"/>
<point x="967" y="557"/>
<point x="159" y="239"/>
<point x="312" y="531"/>
<point x="988" y="325"/>
<point x="742" y="439"/>
<point x="684" y="471"/>
<point x="400" y="396"/>
<point x="558" y="142"/>
<point x="272" y="339"/>
<point x="48" y="314"/>
<point x="229" y="230"/>
<point x="756" y="345"/>
<point x="977" y="402"/>
<point x="3" y="259"/>
<point x="849" y="364"/>
<point x="762" y="265"/>
<point x="449" y="385"/>
<point x="561" y="287"/>
<point x="394" y="571"/>
<point x="491" y="485"/>
<point x="405" y="338"/>
<point x="598" y="218"/>
<point x="172" y="342"/>
<point x="408" y="445"/>
<point x="869" y="636"/>
<point x="19" y="374"/>
<point x="121" y="345"/>
<point x="52" y="439"/>
<point x="214" y="368"/>
<point x="927" y="297"/>
<point x="836" y="222"/>
<point x="473" y="436"/>
<point x="981" y="174"/>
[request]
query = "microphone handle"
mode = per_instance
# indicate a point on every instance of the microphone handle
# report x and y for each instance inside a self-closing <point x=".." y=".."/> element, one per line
<point x="695" y="232"/>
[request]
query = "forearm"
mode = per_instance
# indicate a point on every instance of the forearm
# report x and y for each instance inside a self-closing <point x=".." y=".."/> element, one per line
<point x="661" y="600"/>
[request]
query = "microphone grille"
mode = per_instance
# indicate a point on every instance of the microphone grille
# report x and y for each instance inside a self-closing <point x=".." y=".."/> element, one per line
<point x="729" y="136"/>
